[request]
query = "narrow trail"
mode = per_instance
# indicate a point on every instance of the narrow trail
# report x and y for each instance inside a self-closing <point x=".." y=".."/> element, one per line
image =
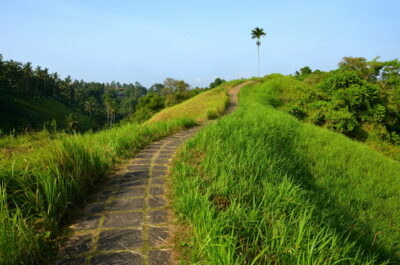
<point x="129" y="220"/>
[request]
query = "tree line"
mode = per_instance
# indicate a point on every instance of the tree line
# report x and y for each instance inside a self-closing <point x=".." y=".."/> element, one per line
<point x="107" y="103"/>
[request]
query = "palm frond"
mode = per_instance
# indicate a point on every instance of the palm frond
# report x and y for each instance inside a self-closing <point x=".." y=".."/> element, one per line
<point x="257" y="33"/>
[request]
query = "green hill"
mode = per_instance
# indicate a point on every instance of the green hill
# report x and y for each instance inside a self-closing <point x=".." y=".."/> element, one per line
<point x="261" y="187"/>
<point x="19" y="113"/>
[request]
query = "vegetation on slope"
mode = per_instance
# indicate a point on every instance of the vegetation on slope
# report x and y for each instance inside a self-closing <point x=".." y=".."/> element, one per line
<point x="360" y="99"/>
<point x="261" y="187"/>
<point x="36" y="113"/>
<point x="29" y="98"/>
<point x="214" y="101"/>
<point x="40" y="190"/>
<point x="207" y="105"/>
<point x="44" y="182"/>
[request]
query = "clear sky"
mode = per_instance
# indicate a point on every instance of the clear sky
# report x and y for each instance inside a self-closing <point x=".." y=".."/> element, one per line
<point x="197" y="41"/>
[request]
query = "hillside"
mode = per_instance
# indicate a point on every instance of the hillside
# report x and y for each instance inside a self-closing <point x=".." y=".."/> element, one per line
<point x="31" y="98"/>
<point x="261" y="187"/>
<point x="213" y="101"/>
<point x="45" y="184"/>
<point x="18" y="113"/>
<point x="258" y="186"/>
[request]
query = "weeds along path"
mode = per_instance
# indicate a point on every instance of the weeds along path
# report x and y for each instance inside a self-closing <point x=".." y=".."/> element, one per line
<point x="129" y="220"/>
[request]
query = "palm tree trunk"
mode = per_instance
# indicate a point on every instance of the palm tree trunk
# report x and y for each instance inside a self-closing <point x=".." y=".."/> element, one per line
<point x="258" y="61"/>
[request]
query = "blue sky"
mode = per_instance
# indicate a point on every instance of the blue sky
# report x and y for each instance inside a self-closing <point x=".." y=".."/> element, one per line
<point x="197" y="41"/>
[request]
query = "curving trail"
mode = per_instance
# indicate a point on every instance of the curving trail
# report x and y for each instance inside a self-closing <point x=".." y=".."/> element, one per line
<point x="129" y="220"/>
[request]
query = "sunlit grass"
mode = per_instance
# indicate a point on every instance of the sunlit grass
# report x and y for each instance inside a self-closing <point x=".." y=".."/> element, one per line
<point x="39" y="191"/>
<point x="261" y="187"/>
<point x="46" y="176"/>
<point x="207" y="105"/>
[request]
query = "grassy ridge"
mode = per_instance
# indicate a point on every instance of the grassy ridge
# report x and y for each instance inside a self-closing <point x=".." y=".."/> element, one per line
<point x="207" y="105"/>
<point x="260" y="187"/>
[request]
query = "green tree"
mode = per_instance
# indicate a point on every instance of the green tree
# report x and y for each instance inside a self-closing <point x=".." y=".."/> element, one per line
<point x="391" y="74"/>
<point x="91" y="105"/>
<point x="217" y="82"/>
<point x="257" y="33"/>
<point x="157" y="87"/>
<point x="147" y="106"/>
<point x="365" y="69"/>
<point x="304" y="72"/>
<point x="175" y="91"/>
<point x="173" y="85"/>
<point x="71" y="122"/>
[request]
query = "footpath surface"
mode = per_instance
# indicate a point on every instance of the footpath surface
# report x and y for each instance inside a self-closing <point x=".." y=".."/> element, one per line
<point x="129" y="221"/>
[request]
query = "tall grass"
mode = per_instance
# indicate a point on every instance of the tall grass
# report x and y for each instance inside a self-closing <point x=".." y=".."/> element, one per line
<point x="39" y="191"/>
<point x="260" y="187"/>
<point x="45" y="177"/>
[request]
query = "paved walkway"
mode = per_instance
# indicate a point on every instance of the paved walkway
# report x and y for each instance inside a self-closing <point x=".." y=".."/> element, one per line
<point x="129" y="220"/>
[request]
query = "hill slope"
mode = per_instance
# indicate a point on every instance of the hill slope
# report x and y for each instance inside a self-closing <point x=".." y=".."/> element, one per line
<point x="261" y="187"/>
<point x="43" y="184"/>
<point x="19" y="113"/>
<point x="207" y="105"/>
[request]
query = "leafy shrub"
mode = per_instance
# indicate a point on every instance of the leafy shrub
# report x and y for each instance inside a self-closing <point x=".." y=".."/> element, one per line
<point x="344" y="102"/>
<point x="341" y="121"/>
<point x="395" y="138"/>
<point x="297" y="111"/>
<point x="357" y="94"/>
<point x="340" y="80"/>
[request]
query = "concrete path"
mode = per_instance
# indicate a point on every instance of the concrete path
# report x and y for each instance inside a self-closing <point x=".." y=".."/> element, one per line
<point x="129" y="221"/>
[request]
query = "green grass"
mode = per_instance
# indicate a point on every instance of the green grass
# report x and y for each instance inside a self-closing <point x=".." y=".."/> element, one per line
<point x="40" y="191"/>
<point x="21" y="113"/>
<point x="205" y="106"/>
<point x="46" y="176"/>
<point x="261" y="187"/>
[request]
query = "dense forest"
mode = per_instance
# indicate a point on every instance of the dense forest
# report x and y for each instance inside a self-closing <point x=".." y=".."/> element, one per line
<point x="33" y="98"/>
<point x="360" y="99"/>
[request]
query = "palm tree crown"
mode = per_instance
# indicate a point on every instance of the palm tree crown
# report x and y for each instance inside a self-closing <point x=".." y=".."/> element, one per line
<point x="257" y="33"/>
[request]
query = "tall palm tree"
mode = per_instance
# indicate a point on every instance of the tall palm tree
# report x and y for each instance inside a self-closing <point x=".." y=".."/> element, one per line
<point x="257" y="33"/>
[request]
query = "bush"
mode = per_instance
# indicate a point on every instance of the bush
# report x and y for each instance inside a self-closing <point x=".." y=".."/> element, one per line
<point x="297" y="111"/>
<point x="341" y="121"/>
<point x="357" y="95"/>
<point x="340" y="80"/>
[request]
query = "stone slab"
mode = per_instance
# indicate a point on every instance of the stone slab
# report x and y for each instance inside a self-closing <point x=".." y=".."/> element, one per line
<point x="77" y="245"/>
<point x="120" y="239"/>
<point x="126" y="204"/>
<point x="121" y="258"/>
<point x="158" y="236"/>
<point x="157" y="217"/>
<point x="157" y="202"/>
<point x="159" y="257"/>
<point x="123" y="219"/>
